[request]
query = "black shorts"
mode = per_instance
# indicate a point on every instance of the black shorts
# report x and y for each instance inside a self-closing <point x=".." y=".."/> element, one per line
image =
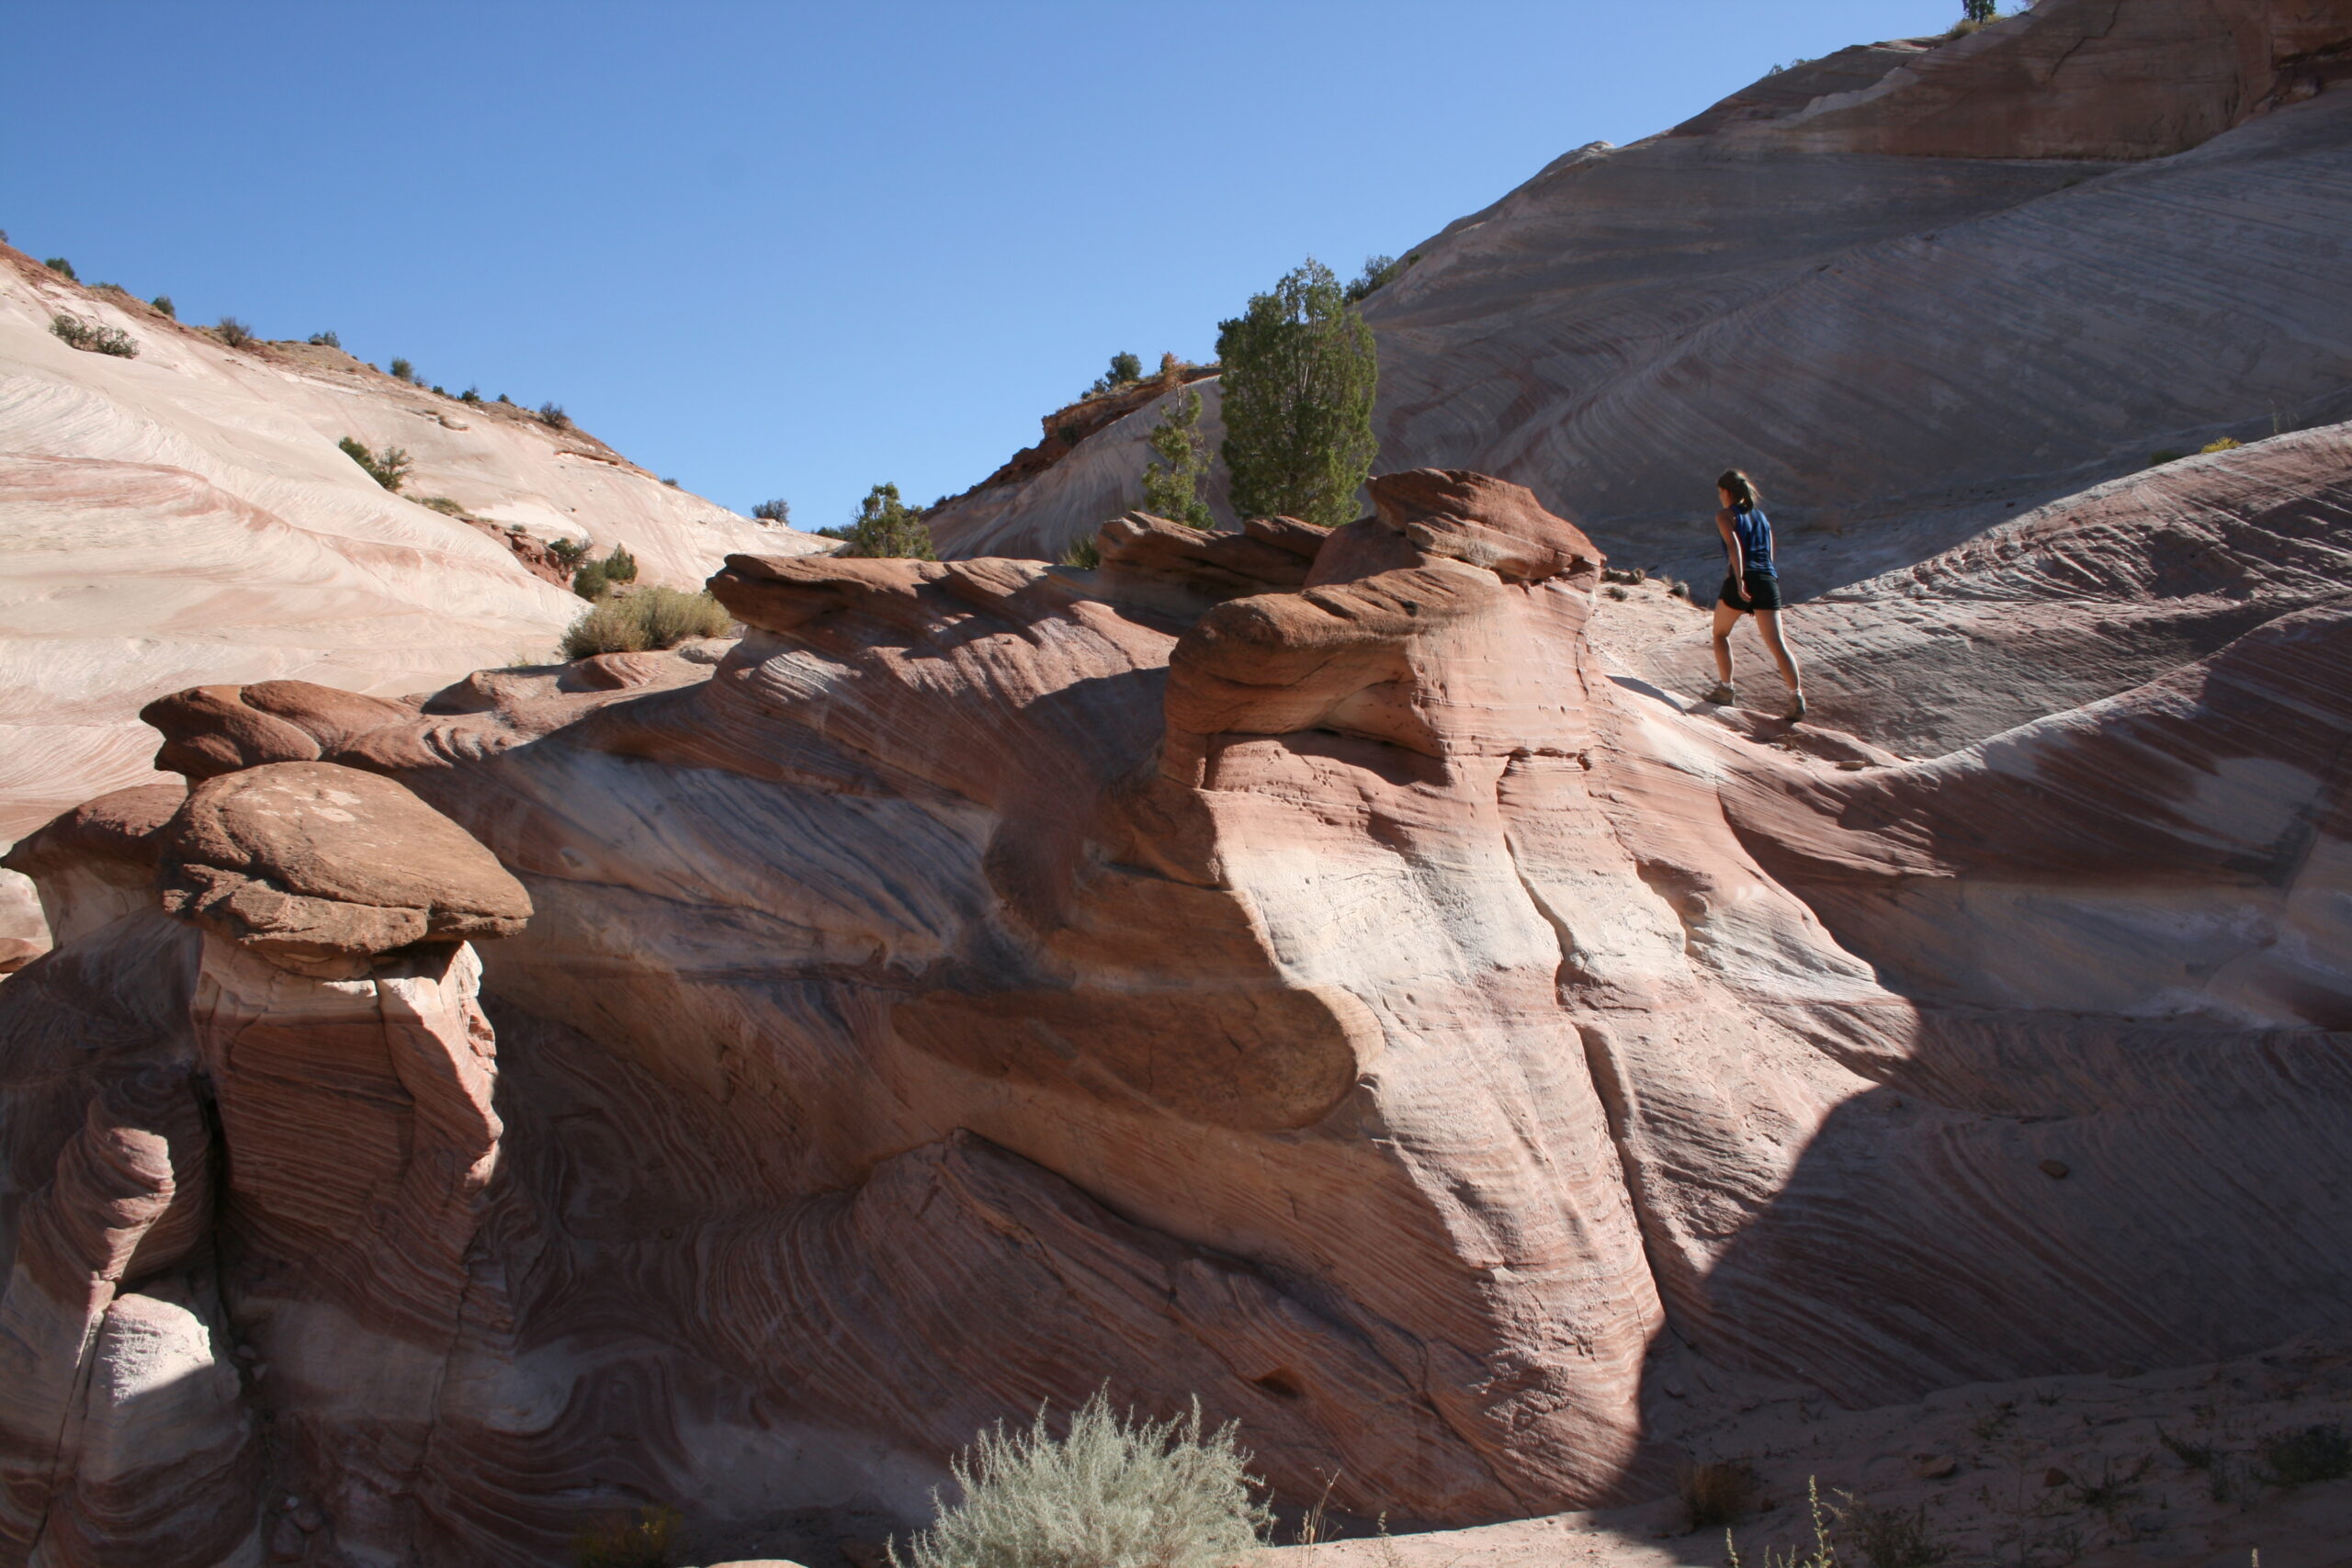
<point x="1763" y="593"/>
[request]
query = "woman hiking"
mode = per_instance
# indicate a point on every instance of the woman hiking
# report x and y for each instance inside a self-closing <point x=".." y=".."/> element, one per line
<point x="1752" y="587"/>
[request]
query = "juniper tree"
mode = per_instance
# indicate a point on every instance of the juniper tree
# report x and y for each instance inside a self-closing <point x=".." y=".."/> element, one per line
<point x="886" y="526"/>
<point x="1172" y="485"/>
<point x="1299" y="373"/>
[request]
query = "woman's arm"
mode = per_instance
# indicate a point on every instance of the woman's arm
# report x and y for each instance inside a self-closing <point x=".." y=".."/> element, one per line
<point x="1738" y="560"/>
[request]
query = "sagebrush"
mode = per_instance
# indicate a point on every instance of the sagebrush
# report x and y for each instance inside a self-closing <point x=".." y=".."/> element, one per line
<point x="388" y="468"/>
<point x="94" y="337"/>
<point x="643" y="620"/>
<point x="1121" y="1490"/>
<point x="623" y="1540"/>
<point x="232" y="331"/>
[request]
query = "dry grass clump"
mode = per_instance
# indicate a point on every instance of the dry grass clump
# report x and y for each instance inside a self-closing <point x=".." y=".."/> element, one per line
<point x="1119" y="1492"/>
<point x="94" y="337"/>
<point x="232" y="331"/>
<point x="622" y="1541"/>
<point x="645" y="619"/>
<point x="1718" y="1494"/>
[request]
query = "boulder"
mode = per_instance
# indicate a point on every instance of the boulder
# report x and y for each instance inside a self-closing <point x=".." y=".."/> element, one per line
<point x="310" y="863"/>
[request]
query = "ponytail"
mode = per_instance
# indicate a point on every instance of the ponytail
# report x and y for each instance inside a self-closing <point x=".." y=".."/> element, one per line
<point x="1744" y="494"/>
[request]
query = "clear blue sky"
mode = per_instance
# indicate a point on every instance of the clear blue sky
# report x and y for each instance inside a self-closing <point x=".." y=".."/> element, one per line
<point x="790" y="250"/>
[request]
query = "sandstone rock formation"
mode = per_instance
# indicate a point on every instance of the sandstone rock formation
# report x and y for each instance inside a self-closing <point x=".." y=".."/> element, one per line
<point x="1914" y="288"/>
<point x="185" y="516"/>
<point x="1283" y="967"/>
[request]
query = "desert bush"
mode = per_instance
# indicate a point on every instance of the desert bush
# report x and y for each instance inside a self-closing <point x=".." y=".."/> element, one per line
<point x="1378" y="271"/>
<point x="1172" y="482"/>
<point x="62" y="267"/>
<point x="623" y="1540"/>
<point x="2169" y="455"/>
<point x="94" y="337"/>
<point x="1118" y="1491"/>
<point x="2311" y="1453"/>
<point x="1888" y="1538"/>
<point x="441" y="503"/>
<point x="1300" y="375"/>
<point x="1717" y="1493"/>
<point x="326" y="340"/>
<point x="588" y="581"/>
<point x="402" y="370"/>
<point x="672" y="483"/>
<point x="232" y="331"/>
<point x="643" y="619"/>
<point x="2226" y="444"/>
<point x="773" y="511"/>
<point x="552" y="416"/>
<point x="1084" y="554"/>
<point x="164" y="302"/>
<point x="571" y="552"/>
<point x="388" y="468"/>
<point x="470" y="395"/>
<point x="1823" y="1555"/>
<point x="886" y="526"/>
<point x="621" y="566"/>
<point x="1125" y="370"/>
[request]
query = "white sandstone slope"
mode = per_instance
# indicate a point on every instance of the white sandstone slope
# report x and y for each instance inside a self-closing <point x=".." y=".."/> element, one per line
<point x="1916" y="288"/>
<point x="185" y="517"/>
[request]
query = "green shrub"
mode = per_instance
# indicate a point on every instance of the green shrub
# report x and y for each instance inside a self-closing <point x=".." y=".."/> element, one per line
<point x="2312" y="1453"/>
<point x="94" y="337"/>
<point x="571" y="552"/>
<point x="551" y="415"/>
<point x="232" y="331"/>
<point x="672" y="483"/>
<point x="1380" y="271"/>
<point x="62" y="267"/>
<point x="388" y="468"/>
<point x="1172" y="482"/>
<point x="164" y="302"/>
<point x="326" y="340"/>
<point x="885" y="527"/>
<point x="1085" y="554"/>
<point x="442" y="504"/>
<point x="470" y="395"/>
<point x="1300" y="375"/>
<point x="588" y="581"/>
<point x="644" y="618"/>
<point x="621" y="566"/>
<point x="402" y="370"/>
<point x="1119" y="1492"/>
<point x="773" y="511"/>
<point x="2169" y="455"/>
<point x="1125" y="370"/>
<point x="620" y="1541"/>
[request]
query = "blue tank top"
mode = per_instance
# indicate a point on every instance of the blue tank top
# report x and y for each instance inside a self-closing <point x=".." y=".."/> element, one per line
<point x="1754" y="532"/>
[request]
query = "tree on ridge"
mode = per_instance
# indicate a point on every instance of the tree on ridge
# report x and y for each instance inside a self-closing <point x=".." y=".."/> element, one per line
<point x="1299" y="372"/>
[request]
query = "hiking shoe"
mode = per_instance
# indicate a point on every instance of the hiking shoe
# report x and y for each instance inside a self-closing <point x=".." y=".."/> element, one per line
<point x="1796" y="707"/>
<point x="1722" y="695"/>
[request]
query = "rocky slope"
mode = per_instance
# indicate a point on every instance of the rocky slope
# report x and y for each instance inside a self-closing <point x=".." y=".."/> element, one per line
<point x="185" y="516"/>
<point x="1289" y="969"/>
<point x="1915" y="288"/>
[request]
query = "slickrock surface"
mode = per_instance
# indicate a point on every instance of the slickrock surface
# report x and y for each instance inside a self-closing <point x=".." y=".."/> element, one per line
<point x="185" y="516"/>
<point x="1913" y="288"/>
<point x="1289" y="968"/>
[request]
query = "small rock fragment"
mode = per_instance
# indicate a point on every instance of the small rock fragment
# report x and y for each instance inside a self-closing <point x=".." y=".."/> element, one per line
<point x="1933" y="1467"/>
<point x="2055" y="1169"/>
<point x="2053" y="1476"/>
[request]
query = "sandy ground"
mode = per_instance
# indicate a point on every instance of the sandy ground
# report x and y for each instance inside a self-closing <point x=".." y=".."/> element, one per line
<point x="2039" y="1473"/>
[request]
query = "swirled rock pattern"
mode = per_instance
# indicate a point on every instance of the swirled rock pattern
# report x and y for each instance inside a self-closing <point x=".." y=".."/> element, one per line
<point x="1290" y="970"/>
<point x="1914" y="288"/>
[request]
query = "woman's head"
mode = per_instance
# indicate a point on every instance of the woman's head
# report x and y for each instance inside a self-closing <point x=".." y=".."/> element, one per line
<point x="1739" y="492"/>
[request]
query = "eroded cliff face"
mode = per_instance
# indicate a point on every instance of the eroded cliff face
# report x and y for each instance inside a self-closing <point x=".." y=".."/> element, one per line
<point x="1914" y="288"/>
<point x="1279" y="967"/>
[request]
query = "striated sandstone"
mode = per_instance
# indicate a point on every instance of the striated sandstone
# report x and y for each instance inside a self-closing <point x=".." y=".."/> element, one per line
<point x="1304" y="977"/>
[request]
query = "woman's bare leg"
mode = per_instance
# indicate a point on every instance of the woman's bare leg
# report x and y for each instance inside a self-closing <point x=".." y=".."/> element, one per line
<point x="1726" y="618"/>
<point x="1767" y="626"/>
